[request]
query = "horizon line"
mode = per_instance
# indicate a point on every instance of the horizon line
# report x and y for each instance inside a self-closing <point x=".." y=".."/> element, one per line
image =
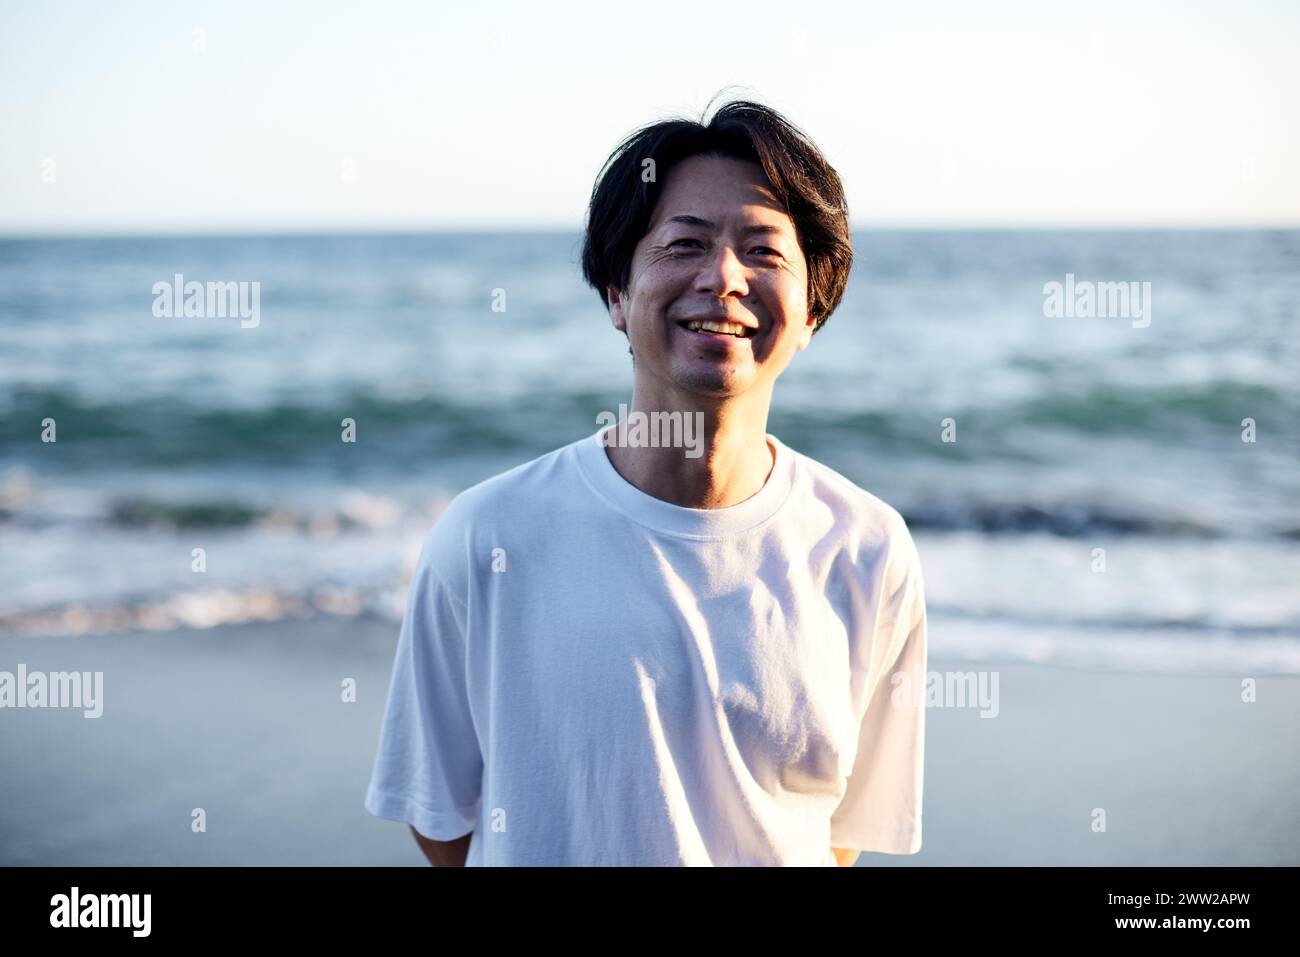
<point x="299" y="231"/>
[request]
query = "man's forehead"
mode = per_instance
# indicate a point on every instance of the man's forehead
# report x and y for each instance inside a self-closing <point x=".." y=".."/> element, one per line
<point x="692" y="190"/>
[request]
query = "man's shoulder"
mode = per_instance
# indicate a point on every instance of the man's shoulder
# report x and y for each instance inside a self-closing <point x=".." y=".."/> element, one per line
<point x="854" y="506"/>
<point x="874" y="532"/>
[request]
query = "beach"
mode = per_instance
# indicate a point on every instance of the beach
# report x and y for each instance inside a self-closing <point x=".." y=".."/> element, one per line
<point x="1099" y="524"/>
<point x="249" y="723"/>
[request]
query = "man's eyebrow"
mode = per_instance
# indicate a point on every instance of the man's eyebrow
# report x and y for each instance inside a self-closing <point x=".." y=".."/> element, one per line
<point x="687" y="219"/>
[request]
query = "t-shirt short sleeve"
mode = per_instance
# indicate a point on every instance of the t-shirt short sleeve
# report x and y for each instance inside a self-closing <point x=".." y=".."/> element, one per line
<point x="881" y="807"/>
<point x="429" y="766"/>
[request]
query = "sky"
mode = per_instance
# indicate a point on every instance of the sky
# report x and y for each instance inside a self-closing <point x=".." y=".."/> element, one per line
<point x="256" y="117"/>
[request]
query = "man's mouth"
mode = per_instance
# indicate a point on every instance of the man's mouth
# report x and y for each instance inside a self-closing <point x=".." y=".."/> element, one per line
<point x="710" y="327"/>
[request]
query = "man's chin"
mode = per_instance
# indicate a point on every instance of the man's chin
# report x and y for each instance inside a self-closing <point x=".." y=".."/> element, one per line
<point x="721" y="382"/>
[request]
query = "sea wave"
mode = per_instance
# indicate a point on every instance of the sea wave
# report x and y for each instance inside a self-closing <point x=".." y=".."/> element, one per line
<point x="166" y="429"/>
<point x="357" y="509"/>
<point x="1154" y="647"/>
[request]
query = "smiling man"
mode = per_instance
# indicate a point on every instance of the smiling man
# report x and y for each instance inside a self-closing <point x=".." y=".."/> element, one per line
<point x="622" y="654"/>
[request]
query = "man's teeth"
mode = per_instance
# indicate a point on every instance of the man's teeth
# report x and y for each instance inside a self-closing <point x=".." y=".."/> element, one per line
<point x="730" y="328"/>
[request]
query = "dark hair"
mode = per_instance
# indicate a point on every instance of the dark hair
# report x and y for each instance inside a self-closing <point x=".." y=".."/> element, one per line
<point x="803" y="181"/>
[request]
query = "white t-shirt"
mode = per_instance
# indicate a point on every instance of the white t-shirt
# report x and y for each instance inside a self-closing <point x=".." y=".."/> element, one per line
<point x="588" y="675"/>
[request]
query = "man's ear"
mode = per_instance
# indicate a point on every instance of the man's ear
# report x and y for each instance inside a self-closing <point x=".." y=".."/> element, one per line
<point x="616" y="313"/>
<point x="806" y="333"/>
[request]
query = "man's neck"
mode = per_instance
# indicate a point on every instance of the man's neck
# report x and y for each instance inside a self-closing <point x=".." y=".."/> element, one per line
<point x="733" y="462"/>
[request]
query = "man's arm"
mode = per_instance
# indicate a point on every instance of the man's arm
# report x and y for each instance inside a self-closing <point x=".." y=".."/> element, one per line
<point x="845" y="858"/>
<point x="444" y="853"/>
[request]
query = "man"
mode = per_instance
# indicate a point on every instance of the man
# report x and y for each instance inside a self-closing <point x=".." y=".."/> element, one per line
<point x="632" y="652"/>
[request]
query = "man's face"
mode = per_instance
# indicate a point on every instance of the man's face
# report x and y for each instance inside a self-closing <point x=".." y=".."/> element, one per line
<point x="719" y="247"/>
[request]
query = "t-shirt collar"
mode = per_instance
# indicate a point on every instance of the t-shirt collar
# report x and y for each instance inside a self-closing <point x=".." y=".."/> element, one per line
<point x="663" y="516"/>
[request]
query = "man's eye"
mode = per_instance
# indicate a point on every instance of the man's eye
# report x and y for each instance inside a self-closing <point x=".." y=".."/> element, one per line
<point x="760" y="250"/>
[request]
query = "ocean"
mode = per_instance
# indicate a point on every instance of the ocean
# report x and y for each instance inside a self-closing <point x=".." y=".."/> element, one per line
<point x="1078" y="486"/>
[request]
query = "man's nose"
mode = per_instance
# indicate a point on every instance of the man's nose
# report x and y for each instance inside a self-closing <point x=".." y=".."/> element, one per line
<point x="722" y="274"/>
